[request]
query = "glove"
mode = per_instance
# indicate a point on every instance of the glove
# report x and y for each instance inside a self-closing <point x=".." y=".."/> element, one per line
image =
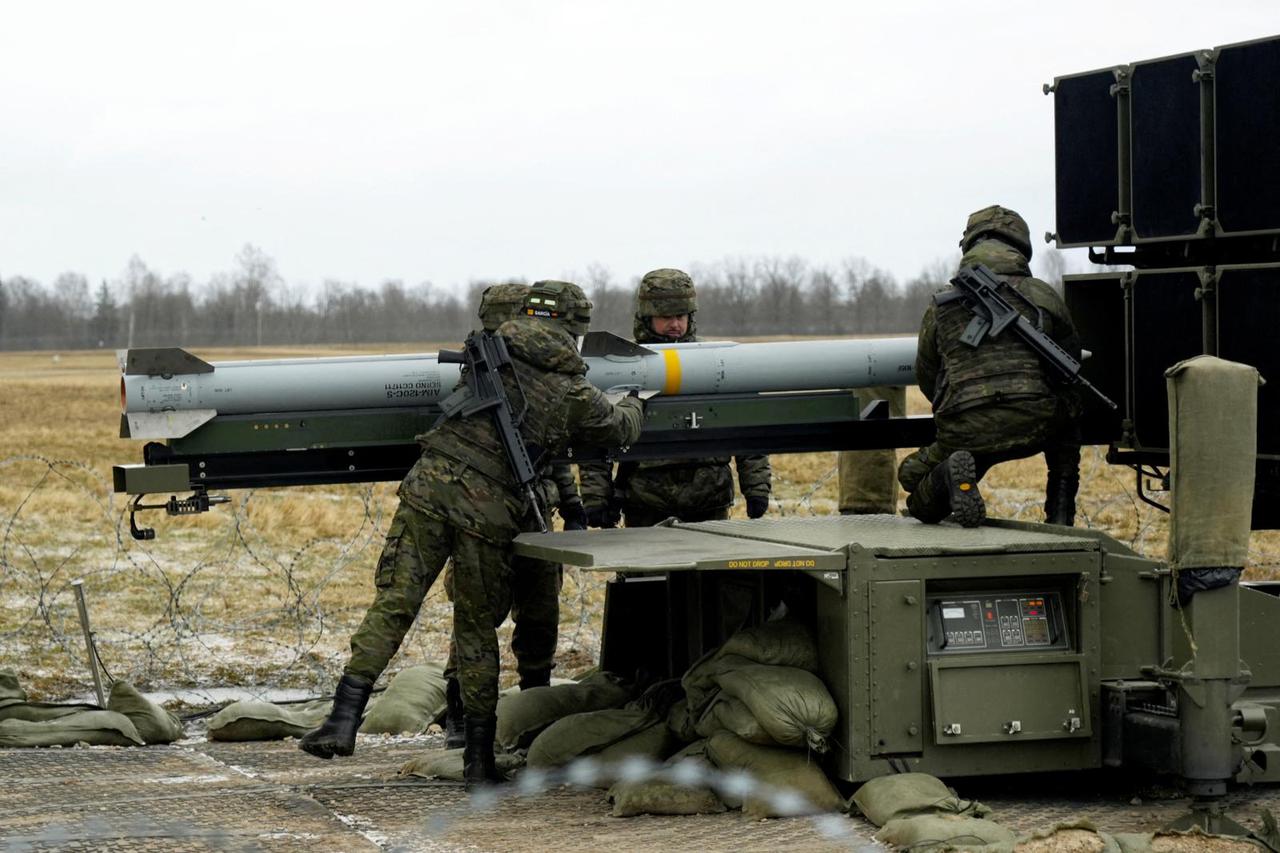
<point x="603" y="515"/>
<point x="757" y="505"/>
<point x="574" y="514"/>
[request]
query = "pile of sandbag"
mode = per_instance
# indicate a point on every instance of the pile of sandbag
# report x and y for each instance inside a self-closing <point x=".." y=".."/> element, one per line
<point x="753" y="708"/>
<point x="130" y="719"/>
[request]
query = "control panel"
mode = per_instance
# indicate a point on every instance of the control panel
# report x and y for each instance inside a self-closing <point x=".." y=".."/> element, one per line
<point x="996" y="622"/>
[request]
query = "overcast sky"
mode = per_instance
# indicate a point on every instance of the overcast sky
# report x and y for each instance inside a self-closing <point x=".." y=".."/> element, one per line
<point x="453" y="141"/>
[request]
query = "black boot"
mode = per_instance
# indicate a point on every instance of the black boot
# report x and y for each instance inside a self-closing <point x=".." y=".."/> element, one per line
<point x="1060" y="499"/>
<point x="535" y="678"/>
<point x="956" y="479"/>
<point x="337" y="734"/>
<point x="455" y="732"/>
<point x="478" y="765"/>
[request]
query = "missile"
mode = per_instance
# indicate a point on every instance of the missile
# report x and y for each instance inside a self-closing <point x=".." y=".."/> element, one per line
<point x="168" y="393"/>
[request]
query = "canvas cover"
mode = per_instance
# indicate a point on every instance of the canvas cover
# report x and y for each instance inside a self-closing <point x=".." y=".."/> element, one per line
<point x="1213" y="442"/>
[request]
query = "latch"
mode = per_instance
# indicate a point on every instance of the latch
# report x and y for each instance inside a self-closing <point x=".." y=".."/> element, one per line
<point x="1072" y="724"/>
<point x="952" y="729"/>
<point x="1013" y="727"/>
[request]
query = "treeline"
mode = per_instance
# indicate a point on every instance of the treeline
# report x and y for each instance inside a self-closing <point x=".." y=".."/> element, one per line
<point x="253" y="305"/>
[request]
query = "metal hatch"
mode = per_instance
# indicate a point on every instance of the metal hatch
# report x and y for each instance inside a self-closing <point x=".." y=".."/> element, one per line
<point x="678" y="548"/>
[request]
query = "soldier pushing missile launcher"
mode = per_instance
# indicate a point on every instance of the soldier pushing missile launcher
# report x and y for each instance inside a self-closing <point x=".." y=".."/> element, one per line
<point x="535" y="584"/>
<point x="462" y="501"/>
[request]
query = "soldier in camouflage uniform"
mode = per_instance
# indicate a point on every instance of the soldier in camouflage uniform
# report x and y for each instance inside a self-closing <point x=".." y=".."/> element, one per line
<point x="996" y="401"/>
<point x="461" y="501"/>
<point x="535" y="584"/>
<point x="645" y="493"/>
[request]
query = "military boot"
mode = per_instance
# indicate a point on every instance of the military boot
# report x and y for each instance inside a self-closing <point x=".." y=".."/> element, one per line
<point x="337" y="734"/>
<point x="957" y="479"/>
<point x="455" y="733"/>
<point x="1060" y="499"/>
<point x="535" y="678"/>
<point x="478" y="765"/>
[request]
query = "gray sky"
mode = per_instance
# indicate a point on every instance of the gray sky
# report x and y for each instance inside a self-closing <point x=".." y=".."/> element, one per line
<point x="449" y="141"/>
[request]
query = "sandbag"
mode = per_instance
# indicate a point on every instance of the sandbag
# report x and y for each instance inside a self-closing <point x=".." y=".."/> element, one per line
<point x="792" y="705"/>
<point x="96" y="728"/>
<point x="783" y="771"/>
<point x="11" y="691"/>
<point x="784" y="642"/>
<point x="1074" y="836"/>
<point x="253" y="719"/>
<point x="411" y="702"/>
<point x="906" y="794"/>
<point x="584" y="734"/>
<point x="699" y="681"/>
<point x="654" y="796"/>
<point x="653" y="741"/>
<point x="1133" y="842"/>
<point x="727" y="714"/>
<point x="680" y="723"/>
<point x="522" y="715"/>
<point x="447" y="764"/>
<point x="658" y="796"/>
<point x="154" y="724"/>
<point x="38" y="712"/>
<point x="944" y="832"/>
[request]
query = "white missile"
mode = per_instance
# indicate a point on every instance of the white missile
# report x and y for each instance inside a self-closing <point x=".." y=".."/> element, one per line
<point x="167" y="393"/>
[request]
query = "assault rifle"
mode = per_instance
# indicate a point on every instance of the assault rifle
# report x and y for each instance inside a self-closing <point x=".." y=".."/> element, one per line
<point x="979" y="287"/>
<point x="483" y="355"/>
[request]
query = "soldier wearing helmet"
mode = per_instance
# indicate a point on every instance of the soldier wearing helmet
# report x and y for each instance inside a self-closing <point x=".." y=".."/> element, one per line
<point x="995" y="401"/>
<point x="644" y="493"/>
<point x="535" y="584"/>
<point x="461" y="501"/>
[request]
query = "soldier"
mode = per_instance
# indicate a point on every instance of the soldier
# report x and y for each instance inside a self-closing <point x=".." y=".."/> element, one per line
<point x="868" y="479"/>
<point x="996" y="401"/>
<point x="461" y="501"/>
<point x="535" y="584"/>
<point x="645" y="493"/>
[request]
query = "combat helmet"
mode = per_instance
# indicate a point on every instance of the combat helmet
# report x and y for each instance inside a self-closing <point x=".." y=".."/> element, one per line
<point x="500" y="303"/>
<point x="561" y="302"/>
<point x="999" y="223"/>
<point x="666" y="293"/>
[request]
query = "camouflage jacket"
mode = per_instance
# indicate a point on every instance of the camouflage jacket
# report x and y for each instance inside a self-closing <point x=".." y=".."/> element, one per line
<point x="957" y="377"/>
<point x="463" y="477"/>
<point x="678" y="486"/>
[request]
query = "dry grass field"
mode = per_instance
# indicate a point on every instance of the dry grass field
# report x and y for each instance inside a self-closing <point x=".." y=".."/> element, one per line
<point x="264" y="592"/>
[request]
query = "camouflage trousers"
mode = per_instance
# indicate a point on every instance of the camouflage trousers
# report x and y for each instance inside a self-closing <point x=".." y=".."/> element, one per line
<point x="417" y="548"/>
<point x="868" y="481"/>
<point x="993" y="434"/>
<point x="535" y="610"/>
<point x="635" y="516"/>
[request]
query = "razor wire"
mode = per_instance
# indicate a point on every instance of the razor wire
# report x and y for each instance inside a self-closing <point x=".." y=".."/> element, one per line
<point x="240" y="602"/>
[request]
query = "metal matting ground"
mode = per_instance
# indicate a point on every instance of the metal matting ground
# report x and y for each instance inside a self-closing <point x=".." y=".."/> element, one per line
<point x="203" y="796"/>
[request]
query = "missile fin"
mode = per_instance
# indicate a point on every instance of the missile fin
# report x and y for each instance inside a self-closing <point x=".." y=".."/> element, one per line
<point x="162" y="361"/>
<point x="602" y="344"/>
<point x="142" y="425"/>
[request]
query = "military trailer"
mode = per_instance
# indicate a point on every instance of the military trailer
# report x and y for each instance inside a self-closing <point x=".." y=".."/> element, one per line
<point x="1013" y="648"/>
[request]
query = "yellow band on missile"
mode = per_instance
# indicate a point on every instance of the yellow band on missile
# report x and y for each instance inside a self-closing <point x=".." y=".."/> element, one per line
<point x="671" y="358"/>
